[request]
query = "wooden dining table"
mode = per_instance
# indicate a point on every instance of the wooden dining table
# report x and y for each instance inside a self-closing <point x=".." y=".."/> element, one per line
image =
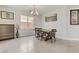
<point x="48" y="35"/>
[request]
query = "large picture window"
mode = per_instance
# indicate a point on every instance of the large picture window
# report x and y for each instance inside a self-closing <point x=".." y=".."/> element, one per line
<point x="26" y="22"/>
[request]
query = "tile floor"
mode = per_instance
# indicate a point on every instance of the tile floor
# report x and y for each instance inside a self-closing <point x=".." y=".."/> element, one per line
<point x="32" y="45"/>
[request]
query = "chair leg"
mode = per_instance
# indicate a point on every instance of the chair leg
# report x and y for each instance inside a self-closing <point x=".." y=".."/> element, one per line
<point x="54" y="39"/>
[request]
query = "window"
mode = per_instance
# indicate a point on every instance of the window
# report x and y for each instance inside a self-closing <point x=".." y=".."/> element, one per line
<point x="26" y="22"/>
<point x="23" y="18"/>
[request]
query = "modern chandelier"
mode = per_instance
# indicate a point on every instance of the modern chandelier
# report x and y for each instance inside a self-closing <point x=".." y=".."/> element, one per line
<point x="34" y="11"/>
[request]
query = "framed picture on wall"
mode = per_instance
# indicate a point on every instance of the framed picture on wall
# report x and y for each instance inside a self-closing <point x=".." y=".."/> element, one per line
<point x="74" y="17"/>
<point x="10" y="15"/>
<point x="3" y="14"/>
<point x="51" y="18"/>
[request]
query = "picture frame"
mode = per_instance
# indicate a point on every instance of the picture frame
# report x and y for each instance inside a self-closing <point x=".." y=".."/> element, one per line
<point x="3" y="14"/>
<point x="74" y="17"/>
<point x="6" y="15"/>
<point x="51" y="18"/>
<point x="10" y="15"/>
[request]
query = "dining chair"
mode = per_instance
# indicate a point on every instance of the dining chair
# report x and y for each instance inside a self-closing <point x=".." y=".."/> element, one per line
<point x="38" y="32"/>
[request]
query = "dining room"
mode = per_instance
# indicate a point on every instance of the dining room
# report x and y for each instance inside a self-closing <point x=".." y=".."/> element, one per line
<point x="39" y="28"/>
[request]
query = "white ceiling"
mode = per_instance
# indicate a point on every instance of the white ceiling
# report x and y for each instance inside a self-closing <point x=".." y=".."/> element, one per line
<point x="41" y="8"/>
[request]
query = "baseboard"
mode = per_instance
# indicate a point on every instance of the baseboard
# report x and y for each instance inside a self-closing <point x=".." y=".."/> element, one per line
<point x="26" y="36"/>
<point x="6" y="39"/>
<point x="66" y="38"/>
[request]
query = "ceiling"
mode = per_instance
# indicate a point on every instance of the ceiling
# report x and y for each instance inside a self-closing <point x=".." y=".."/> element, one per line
<point x="41" y="8"/>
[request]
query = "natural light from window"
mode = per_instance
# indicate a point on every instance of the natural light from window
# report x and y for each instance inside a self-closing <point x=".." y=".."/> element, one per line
<point x="26" y="22"/>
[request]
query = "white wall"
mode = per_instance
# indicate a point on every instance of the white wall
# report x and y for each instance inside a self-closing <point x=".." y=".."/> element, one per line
<point x="73" y="30"/>
<point x="38" y="21"/>
<point x="64" y="29"/>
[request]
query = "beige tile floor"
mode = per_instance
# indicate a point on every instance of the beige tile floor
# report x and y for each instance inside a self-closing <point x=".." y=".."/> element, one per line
<point x="32" y="45"/>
